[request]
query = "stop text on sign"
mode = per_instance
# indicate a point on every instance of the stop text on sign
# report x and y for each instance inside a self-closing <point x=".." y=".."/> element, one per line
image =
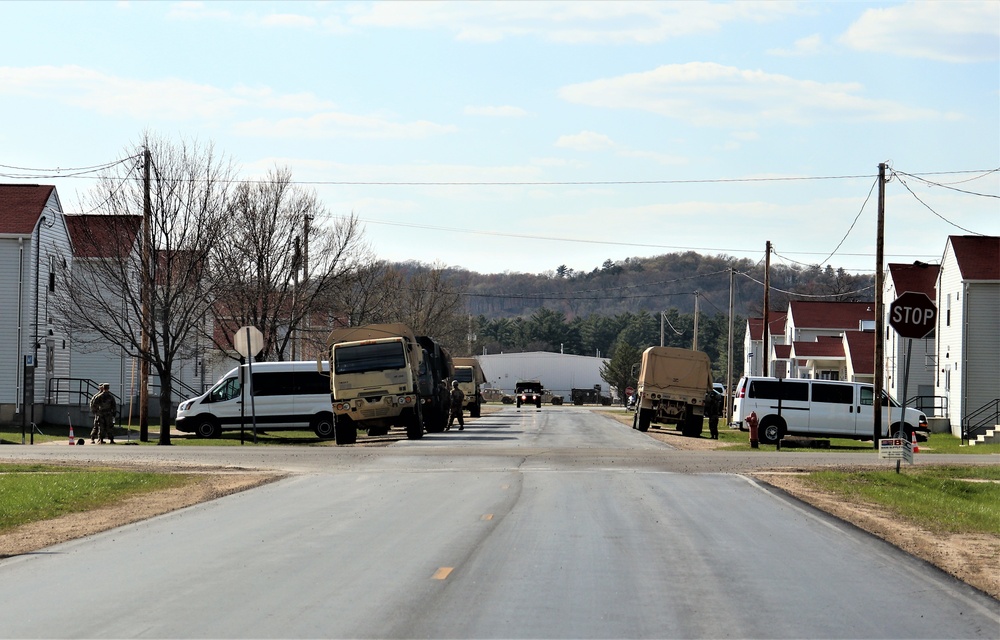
<point x="913" y="315"/>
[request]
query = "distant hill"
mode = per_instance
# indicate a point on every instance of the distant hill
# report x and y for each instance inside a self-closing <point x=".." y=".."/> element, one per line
<point x="653" y="284"/>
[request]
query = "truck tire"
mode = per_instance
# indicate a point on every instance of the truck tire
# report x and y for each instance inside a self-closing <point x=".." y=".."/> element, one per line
<point x="414" y="426"/>
<point x="643" y="418"/>
<point x="538" y="403"/>
<point x="207" y="427"/>
<point x="435" y="421"/>
<point x="345" y="431"/>
<point x="770" y="431"/>
<point x="693" y="425"/>
<point x="322" y="425"/>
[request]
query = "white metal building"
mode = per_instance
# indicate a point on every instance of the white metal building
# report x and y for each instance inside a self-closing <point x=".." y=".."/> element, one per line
<point x="558" y="372"/>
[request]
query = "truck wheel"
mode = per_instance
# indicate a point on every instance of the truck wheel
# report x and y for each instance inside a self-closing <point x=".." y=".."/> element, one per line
<point x="770" y="431"/>
<point x="692" y="426"/>
<point x="644" y="419"/>
<point x="345" y="431"/>
<point x="322" y="424"/>
<point x="207" y="427"/>
<point x="435" y="421"/>
<point x="414" y="427"/>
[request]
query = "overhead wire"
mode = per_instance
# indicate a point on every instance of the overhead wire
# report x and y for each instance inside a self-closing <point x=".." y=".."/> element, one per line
<point x="929" y="208"/>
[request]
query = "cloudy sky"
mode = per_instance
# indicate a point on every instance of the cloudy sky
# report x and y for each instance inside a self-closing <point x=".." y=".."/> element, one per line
<point x="523" y="136"/>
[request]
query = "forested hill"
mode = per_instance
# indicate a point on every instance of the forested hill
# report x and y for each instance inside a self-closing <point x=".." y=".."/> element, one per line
<point x="654" y="284"/>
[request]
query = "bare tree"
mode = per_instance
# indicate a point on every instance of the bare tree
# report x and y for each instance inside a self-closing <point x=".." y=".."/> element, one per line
<point x="188" y="189"/>
<point x="281" y="258"/>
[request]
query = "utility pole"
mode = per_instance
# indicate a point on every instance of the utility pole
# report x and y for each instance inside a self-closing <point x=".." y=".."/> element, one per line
<point x="879" y="319"/>
<point x="766" y="371"/>
<point x="146" y="312"/>
<point x="694" y="344"/>
<point x="729" y="356"/>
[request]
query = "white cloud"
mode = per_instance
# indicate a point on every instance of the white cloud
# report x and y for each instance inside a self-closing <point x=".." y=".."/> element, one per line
<point x="585" y="141"/>
<point x="334" y="124"/>
<point x="504" y="111"/>
<point x="710" y="94"/>
<point x="808" y="46"/>
<point x="948" y="31"/>
<point x="568" y="22"/>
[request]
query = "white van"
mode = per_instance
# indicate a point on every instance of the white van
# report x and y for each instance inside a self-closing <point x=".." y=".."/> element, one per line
<point x="825" y="408"/>
<point x="286" y="395"/>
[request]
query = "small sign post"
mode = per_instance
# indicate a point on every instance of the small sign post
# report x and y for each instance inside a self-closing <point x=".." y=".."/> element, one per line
<point x="248" y="341"/>
<point x="897" y="449"/>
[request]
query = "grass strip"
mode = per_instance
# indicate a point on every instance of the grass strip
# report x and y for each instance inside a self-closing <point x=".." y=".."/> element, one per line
<point x="945" y="499"/>
<point x="29" y="493"/>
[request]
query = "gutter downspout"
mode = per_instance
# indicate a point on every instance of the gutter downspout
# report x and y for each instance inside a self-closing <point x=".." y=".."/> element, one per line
<point x="964" y="377"/>
<point x="19" y="368"/>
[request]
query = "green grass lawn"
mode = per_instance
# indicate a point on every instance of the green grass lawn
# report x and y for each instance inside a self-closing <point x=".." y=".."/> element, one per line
<point x="946" y="499"/>
<point x="32" y="492"/>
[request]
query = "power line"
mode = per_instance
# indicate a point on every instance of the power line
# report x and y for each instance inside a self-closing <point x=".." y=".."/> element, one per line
<point x="807" y="295"/>
<point x="948" y="186"/>
<point x="928" y="207"/>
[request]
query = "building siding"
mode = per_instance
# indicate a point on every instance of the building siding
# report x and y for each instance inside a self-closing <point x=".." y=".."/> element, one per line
<point x="981" y="383"/>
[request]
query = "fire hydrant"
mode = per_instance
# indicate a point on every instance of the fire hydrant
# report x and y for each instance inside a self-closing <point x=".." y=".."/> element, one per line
<point x="751" y="421"/>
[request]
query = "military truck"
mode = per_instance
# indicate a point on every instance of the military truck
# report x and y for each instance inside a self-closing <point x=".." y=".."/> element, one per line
<point x="470" y="378"/>
<point x="673" y="384"/>
<point x="528" y="392"/>
<point x="433" y="388"/>
<point x="375" y="381"/>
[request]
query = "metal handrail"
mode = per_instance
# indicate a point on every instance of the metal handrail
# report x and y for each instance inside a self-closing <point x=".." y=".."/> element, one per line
<point x="78" y="391"/>
<point x="938" y="405"/>
<point x="988" y="415"/>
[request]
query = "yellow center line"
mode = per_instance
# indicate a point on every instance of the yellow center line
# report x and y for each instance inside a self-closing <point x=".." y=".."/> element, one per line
<point x="443" y="573"/>
<point x="487" y="516"/>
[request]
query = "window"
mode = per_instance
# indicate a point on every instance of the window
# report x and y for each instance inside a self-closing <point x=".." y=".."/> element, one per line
<point x="273" y="384"/>
<point x="225" y="390"/>
<point x="312" y="382"/>
<point x="833" y="393"/>
<point x="463" y="375"/>
<point x="369" y="357"/>
<point x="779" y="390"/>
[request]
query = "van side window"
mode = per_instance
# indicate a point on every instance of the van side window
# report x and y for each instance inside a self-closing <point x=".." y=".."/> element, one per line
<point x="307" y="382"/>
<point x="225" y="390"/>
<point x="867" y="396"/>
<point x="774" y="390"/>
<point x="833" y="393"/>
<point x="272" y="384"/>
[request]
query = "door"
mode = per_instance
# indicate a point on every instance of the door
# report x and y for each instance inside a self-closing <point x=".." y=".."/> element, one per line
<point x="833" y="410"/>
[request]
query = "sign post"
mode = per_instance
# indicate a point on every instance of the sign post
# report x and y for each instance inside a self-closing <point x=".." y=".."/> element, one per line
<point x="248" y="341"/>
<point x="913" y="315"/>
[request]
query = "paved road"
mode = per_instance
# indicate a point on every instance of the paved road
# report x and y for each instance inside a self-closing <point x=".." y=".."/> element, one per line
<point x="558" y="523"/>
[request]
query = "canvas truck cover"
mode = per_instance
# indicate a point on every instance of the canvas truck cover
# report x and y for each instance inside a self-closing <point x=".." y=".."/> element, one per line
<point x="478" y="376"/>
<point x="675" y="371"/>
<point x="370" y="332"/>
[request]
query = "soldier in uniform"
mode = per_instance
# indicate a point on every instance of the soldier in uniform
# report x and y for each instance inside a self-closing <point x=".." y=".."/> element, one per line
<point x="104" y="408"/>
<point x="457" y="401"/>
<point x="713" y="407"/>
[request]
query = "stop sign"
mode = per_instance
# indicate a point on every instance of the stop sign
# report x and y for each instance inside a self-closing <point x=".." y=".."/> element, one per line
<point x="913" y="315"/>
<point x="629" y="391"/>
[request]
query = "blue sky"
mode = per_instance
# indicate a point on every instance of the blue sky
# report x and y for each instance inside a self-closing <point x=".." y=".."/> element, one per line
<point x="523" y="136"/>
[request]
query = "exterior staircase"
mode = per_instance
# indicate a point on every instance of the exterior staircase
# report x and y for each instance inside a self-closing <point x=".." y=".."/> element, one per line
<point x="990" y="436"/>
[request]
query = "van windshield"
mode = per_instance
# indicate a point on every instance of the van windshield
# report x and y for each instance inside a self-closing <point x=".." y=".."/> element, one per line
<point x="368" y="357"/>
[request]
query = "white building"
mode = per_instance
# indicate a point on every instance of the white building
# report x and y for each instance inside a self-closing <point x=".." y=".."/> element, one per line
<point x="921" y="278"/>
<point x="558" y="372"/>
<point x="968" y="331"/>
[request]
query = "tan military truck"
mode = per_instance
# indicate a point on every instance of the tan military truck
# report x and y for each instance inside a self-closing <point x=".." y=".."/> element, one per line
<point x="673" y="384"/>
<point x="470" y="378"/>
<point x="375" y="383"/>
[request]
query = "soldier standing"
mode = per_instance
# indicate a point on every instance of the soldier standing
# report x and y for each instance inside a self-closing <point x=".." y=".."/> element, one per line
<point x="713" y="407"/>
<point x="104" y="408"/>
<point x="457" y="402"/>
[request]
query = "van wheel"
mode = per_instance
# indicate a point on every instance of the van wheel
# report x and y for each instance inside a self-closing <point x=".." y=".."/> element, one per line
<point x="322" y="424"/>
<point x="345" y="430"/>
<point x="207" y="427"/>
<point x="770" y="432"/>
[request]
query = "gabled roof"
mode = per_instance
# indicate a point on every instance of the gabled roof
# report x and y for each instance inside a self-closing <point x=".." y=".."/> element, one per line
<point x="918" y="277"/>
<point x="782" y="351"/>
<point x="776" y="321"/>
<point x="21" y="205"/>
<point x="103" y="236"/>
<point x="861" y="350"/>
<point x="978" y="257"/>
<point x="830" y="315"/>
<point x="823" y="347"/>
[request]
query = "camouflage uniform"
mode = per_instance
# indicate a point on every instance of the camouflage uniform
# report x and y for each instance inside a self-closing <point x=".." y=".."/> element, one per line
<point x="457" y="401"/>
<point x="104" y="408"/>
<point x="713" y="407"/>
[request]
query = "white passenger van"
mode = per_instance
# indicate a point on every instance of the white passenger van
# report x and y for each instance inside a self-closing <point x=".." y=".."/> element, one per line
<point x="824" y="408"/>
<point x="286" y="395"/>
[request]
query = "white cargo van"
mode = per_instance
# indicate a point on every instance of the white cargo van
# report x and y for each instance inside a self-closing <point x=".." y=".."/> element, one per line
<point x="824" y="408"/>
<point x="286" y="395"/>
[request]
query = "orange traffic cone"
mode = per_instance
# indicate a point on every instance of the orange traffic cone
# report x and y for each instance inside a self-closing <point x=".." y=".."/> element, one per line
<point x="913" y="439"/>
<point x="72" y="440"/>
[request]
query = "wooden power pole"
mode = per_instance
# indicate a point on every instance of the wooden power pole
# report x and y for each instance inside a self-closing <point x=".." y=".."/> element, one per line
<point x="879" y="316"/>
<point x="766" y="350"/>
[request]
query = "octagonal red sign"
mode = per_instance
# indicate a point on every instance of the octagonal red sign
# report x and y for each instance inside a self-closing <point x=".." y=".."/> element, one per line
<point x="913" y="315"/>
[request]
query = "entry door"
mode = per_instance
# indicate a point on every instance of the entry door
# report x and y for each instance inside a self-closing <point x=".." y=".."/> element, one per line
<point x="832" y="410"/>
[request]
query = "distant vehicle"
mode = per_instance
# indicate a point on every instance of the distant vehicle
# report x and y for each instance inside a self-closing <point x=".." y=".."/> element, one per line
<point x="673" y="385"/>
<point x="528" y="392"/>
<point x="589" y="396"/>
<point x="286" y="395"/>
<point x="825" y="408"/>
<point x="470" y="378"/>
